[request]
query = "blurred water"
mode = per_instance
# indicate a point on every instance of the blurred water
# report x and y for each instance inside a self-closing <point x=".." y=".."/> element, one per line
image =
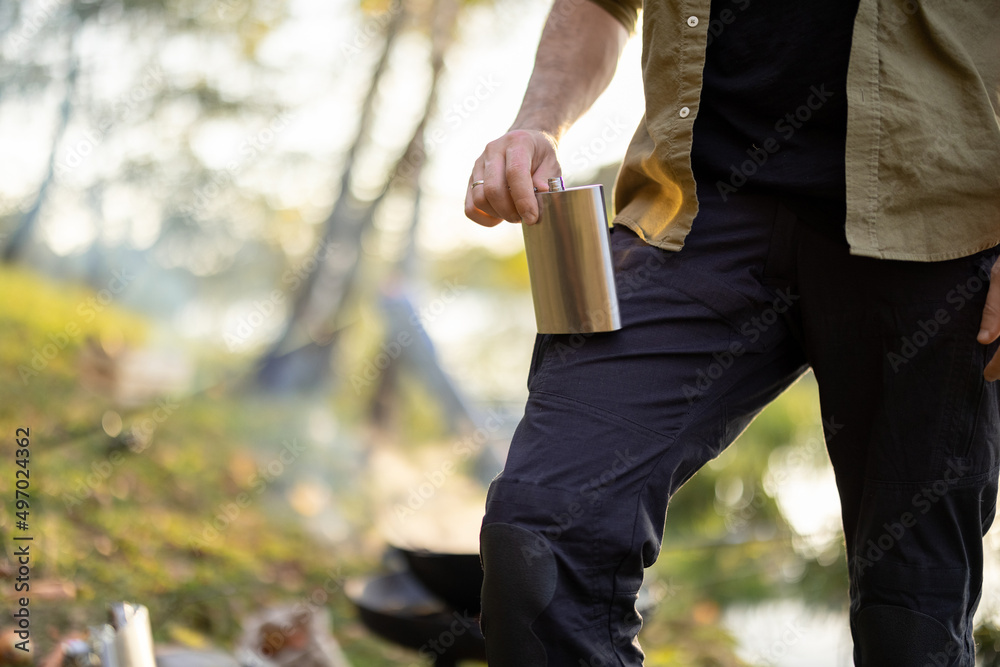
<point x="789" y="633"/>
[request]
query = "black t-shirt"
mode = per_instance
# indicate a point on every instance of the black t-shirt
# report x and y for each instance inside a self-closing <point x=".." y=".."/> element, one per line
<point x="773" y="111"/>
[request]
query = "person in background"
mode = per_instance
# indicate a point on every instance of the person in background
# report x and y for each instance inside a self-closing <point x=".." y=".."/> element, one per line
<point x="813" y="185"/>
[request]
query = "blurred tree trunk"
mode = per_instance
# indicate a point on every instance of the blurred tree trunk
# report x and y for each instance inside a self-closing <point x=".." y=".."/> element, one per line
<point x="301" y="358"/>
<point x="19" y="238"/>
<point x="401" y="315"/>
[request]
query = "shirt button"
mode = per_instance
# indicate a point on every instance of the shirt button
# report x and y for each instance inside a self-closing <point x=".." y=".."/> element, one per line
<point x="692" y="21"/>
<point x="685" y="112"/>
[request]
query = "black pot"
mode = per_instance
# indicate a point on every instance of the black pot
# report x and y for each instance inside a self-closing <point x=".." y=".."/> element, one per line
<point x="455" y="578"/>
<point x="399" y="608"/>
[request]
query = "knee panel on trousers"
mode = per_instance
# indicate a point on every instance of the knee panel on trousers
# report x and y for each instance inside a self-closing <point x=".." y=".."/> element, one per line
<point x="518" y="584"/>
<point x="889" y="636"/>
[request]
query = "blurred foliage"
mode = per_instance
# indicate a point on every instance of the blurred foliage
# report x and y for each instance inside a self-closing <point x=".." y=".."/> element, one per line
<point x="987" y="637"/>
<point x="481" y="268"/>
<point x="724" y="521"/>
<point x="43" y="328"/>
<point x="159" y="525"/>
<point x="689" y="643"/>
<point x="160" y="522"/>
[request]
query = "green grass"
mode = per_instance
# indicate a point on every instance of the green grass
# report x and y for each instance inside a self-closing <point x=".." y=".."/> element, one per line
<point x="160" y="520"/>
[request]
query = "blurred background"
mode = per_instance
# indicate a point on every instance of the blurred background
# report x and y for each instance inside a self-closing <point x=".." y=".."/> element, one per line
<point x="264" y="358"/>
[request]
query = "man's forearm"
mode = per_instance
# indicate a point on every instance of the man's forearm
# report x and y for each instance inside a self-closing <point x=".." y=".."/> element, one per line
<point x="576" y="59"/>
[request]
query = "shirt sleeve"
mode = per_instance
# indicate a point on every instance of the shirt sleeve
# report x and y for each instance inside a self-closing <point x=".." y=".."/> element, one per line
<point x="626" y="11"/>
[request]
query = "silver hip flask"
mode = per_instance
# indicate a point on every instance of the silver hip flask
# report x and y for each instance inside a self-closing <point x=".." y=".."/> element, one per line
<point x="569" y="261"/>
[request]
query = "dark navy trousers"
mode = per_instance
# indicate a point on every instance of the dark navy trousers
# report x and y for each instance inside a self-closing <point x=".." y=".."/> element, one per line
<point x="616" y="422"/>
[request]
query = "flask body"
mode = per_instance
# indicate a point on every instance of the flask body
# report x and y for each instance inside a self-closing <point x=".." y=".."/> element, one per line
<point x="569" y="262"/>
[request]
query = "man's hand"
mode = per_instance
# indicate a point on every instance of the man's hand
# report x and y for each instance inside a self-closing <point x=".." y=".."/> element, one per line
<point x="989" y="330"/>
<point x="510" y="170"/>
<point x="576" y="58"/>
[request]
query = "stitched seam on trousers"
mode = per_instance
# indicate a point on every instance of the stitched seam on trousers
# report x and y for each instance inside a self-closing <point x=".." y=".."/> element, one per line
<point x="977" y="417"/>
<point x="605" y="411"/>
<point x="955" y="399"/>
<point x="980" y="358"/>
<point x="645" y="483"/>
<point x="736" y="313"/>
<point x="690" y="416"/>
<point x="635" y="517"/>
<point x="960" y="483"/>
<point x="621" y="563"/>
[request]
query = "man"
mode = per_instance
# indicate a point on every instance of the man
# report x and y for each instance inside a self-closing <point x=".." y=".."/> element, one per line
<point x="812" y="185"/>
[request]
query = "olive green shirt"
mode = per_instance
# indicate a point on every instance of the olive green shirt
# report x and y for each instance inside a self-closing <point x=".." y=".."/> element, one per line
<point x="923" y="132"/>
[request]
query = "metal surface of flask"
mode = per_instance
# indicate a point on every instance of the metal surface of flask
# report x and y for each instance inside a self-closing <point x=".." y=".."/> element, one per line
<point x="569" y="261"/>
